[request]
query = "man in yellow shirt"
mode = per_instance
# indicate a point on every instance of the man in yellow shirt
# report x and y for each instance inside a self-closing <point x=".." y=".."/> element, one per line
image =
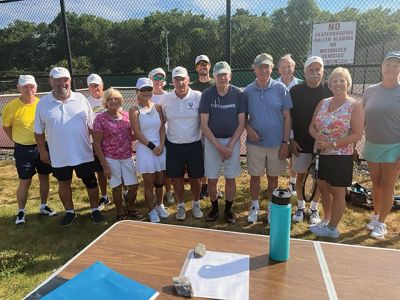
<point x="18" y="119"/>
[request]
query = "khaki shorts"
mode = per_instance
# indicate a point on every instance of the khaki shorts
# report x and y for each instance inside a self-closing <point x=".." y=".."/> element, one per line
<point x="301" y="162"/>
<point x="260" y="158"/>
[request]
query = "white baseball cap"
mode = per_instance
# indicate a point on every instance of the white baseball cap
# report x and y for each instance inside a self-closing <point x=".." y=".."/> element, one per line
<point x="94" y="78"/>
<point x="156" y="71"/>
<point x="143" y="82"/>
<point x="201" y="58"/>
<point x="179" y="72"/>
<point x="59" y="72"/>
<point x="222" y="67"/>
<point x="26" y="79"/>
<point x="313" y="59"/>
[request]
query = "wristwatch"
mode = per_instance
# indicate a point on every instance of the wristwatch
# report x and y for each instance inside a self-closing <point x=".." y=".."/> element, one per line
<point x="285" y="142"/>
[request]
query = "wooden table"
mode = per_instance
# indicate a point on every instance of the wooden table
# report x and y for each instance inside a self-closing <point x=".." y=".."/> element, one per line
<point x="154" y="253"/>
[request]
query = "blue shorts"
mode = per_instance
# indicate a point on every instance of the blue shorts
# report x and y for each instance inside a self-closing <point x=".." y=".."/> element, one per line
<point x="27" y="161"/>
<point x="381" y="153"/>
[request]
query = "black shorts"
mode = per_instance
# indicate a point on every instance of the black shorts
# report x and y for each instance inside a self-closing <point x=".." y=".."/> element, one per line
<point x="181" y="157"/>
<point x="27" y="161"/>
<point x="84" y="170"/>
<point x="337" y="170"/>
<point x="97" y="164"/>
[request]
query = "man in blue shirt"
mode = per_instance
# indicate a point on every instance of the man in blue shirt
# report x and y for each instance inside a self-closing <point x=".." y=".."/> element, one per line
<point x="268" y="130"/>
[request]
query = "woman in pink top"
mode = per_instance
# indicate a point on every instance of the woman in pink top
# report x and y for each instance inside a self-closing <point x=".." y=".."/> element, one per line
<point x="113" y="137"/>
<point x="336" y="125"/>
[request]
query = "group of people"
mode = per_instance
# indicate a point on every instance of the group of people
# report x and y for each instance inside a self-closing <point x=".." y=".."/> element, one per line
<point x="195" y="129"/>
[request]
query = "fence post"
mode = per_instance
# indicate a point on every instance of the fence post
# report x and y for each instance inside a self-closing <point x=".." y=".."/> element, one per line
<point x="67" y="43"/>
<point x="228" y="52"/>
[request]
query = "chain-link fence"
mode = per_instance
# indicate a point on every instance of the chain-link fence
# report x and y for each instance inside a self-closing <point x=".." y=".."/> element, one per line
<point x="122" y="40"/>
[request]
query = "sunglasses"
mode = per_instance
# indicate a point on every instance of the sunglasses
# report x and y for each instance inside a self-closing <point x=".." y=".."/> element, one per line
<point x="158" y="77"/>
<point x="146" y="89"/>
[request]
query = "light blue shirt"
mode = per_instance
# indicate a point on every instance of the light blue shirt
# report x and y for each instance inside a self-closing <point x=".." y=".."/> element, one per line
<point x="265" y="108"/>
<point x="295" y="81"/>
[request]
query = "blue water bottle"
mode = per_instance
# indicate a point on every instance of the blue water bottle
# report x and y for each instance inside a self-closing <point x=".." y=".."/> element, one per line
<point x="281" y="217"/>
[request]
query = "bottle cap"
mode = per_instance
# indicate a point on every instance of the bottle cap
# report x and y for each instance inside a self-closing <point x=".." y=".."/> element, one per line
<point x="281" y="197"/>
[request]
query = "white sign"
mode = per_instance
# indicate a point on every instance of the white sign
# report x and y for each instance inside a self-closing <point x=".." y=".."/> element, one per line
<point x="334" y="42"/>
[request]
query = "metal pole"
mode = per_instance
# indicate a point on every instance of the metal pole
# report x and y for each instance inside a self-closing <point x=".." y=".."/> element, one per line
<point x="228" y="50"/>
<point x="166" y="41"/>
<point x="66" y="35"/>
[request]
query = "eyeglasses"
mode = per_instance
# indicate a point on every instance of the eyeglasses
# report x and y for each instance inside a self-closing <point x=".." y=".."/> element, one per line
<point x="146" y="89"/>
<point x="158" y="77"/>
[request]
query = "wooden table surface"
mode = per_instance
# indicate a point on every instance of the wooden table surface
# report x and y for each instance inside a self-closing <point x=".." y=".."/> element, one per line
<point x="154" y="253"/>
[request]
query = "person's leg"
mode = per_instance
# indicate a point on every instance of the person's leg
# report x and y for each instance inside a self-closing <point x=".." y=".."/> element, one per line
<point x="65" y="193"/>
<point x="389" y="177"/>
<point x="178" y="184"/>
<point x="159" y="182"/>
<point x="131" y="197"/>
<point x="22" y="192"/>
<point x="102" y="180"/>
<point x="338" y="205"/>
<point x="326" y="199"/>
<point x="117" y="196"/>
<point x="195" y="188"/>
<point x="375" y="173"/>
<point x="44" y="187"/>
<point x="148" y="182"/>
<point x="254" y="187"/>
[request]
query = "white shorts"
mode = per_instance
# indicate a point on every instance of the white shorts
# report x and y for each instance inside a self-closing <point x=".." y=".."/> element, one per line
<point x="262" y="158"/>
<point x="122" y="171"/>
<point x="301" y="162"/>
<point x="213" y="160"/>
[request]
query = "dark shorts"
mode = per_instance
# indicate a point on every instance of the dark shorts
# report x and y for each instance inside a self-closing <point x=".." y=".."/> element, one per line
<point x="27" y="161"/>
<point x="337" y="170"/>
<point x="181" y="157"/>
<point x="85" y="170"/>
<point x="97" y="164"/>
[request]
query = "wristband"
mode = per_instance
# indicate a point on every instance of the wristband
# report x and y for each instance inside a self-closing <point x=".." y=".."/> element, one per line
<point x="151" y="146"/>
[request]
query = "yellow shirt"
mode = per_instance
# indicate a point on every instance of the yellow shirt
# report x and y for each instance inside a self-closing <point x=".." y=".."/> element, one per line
<point x="20" y="117"/>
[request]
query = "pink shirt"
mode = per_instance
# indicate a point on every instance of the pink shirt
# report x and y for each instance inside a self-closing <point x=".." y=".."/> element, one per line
<point x="117" y="135"/>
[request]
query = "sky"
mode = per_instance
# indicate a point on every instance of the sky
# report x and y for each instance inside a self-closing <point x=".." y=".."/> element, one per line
<point x="117" y="10"/>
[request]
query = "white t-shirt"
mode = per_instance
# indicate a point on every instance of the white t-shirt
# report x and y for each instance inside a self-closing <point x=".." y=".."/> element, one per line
<point x="157" y="99"/>
<point x="96" y="104"/>
<point x="182" y="116"/>
<point x="66" y="124"/>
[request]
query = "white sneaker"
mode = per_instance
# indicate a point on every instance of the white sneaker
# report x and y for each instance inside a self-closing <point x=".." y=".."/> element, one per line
<point x="196" y="211"/>
<point x="47" y="211"/>
<point x="153" y="216"/>
<point x="324" y="231"/>
<point x="180" y="214"/>
<point x="170" y="198"/>
<point x="314" y="216"/>
<point x="253" y="215"/>
<point x="379" y="231"/>
<point x="320" y="224"/>
<point x="299" y="215"/>
<point x="162" y="212"/>
<point x="20" y="218"/>
<point x="372" y="223"/>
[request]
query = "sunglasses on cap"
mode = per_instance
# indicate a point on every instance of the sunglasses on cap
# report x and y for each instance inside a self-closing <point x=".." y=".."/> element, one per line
<point x="158" y="77"/>
<point x="146" y="89"/>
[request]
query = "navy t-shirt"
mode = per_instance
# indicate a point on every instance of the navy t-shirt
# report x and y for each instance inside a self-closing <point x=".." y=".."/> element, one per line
<point x="223" y="110"/>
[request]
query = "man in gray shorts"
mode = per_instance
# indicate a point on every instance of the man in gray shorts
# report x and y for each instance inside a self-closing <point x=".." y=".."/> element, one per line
<point x="222" y="120"/>
<point x="305" y="98"/>
<point x="268" y="130"/>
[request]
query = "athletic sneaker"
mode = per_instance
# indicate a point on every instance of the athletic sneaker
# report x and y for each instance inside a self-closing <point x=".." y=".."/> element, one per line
<point x="97" y="217"/>
<point x="153" y="216"/>
<point x="379" y="231"/>
<point x="253" y="215"/>
<point x="314" y="216"/>
<point x="229" y="217"/>
<point x="196" y="211"/>
<point x="320" y="224"/>
<point x="180" y="214"/>
<point x="103" y="202"/>
<point x="162" y="212"/>
<point x="299" y="215"/>
<point x="372" y="223"/>
<point x="68" y="219"/>
<point x="47" y="211"/>
<point x="292" y="188"/>
<point x="169" y="197"/>
<point x="203" y="192"/>
<point x="20" y="218"/>
<point x="325" y="231"/>
<point x="212" y="215"/>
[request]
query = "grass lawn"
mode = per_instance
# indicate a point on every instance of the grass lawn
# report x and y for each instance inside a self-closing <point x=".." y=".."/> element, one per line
<point x="31" y="252"/>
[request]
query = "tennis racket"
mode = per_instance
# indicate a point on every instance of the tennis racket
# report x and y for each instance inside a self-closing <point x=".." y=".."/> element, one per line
<point x="310" y="182"/>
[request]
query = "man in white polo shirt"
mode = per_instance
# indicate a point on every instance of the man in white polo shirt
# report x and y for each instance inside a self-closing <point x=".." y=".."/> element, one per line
<point x="66" y="118"/>
<point x="184" y="148"/>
